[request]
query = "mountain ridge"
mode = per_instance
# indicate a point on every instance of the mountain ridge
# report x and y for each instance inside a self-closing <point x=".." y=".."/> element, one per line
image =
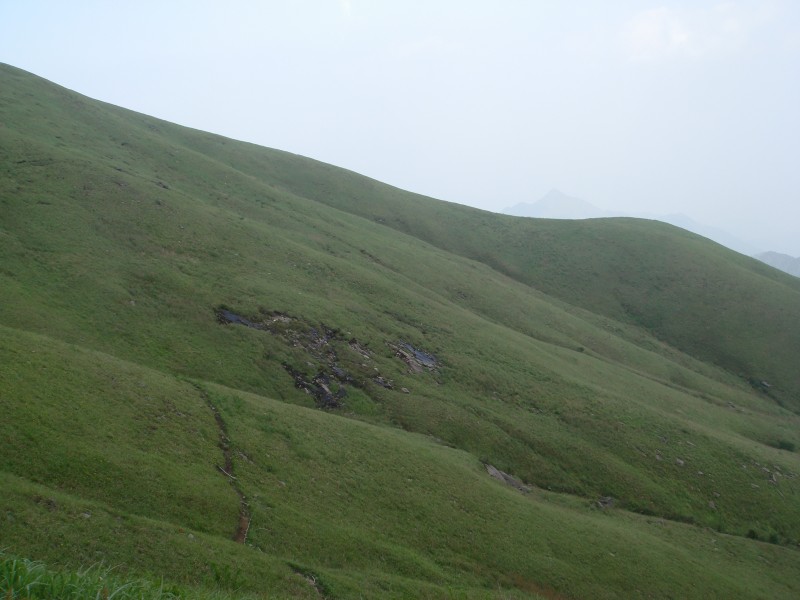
<point x="557" y="205"/>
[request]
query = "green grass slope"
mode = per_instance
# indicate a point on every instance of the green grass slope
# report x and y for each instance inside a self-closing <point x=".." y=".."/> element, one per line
<point x="700" y="297"/>
<point x="355" y="508"/>
<point x="121" y="237"/>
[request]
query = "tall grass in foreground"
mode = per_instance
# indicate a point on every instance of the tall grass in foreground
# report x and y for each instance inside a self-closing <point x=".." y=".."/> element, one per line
<point x="25" y="579"/>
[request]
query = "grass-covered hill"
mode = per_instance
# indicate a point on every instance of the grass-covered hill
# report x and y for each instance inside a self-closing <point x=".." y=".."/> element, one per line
<point x="230" y="371"/>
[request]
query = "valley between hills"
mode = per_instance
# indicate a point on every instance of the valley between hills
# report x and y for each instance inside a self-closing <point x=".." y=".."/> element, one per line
<point x="228" y="371"/>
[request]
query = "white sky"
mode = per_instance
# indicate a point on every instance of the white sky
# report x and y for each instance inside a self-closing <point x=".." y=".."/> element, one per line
<point x="642" y="106"/>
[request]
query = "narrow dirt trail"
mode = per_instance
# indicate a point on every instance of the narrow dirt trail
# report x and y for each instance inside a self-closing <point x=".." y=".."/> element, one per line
<point x="243" y="526"/>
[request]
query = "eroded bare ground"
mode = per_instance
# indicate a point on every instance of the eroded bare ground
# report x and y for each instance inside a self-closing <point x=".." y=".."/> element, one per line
<point x="324" y="345"/>
<point x="507" y="479"/>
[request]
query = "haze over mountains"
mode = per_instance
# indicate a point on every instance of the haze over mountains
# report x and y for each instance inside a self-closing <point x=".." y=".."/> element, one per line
<point x="235" y="372"/>
<point x="784" y="262"/>
<point x="557" y="205"/>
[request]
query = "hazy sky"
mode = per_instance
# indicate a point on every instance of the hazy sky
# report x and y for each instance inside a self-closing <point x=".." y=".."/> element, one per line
<point x="659" y="107"/>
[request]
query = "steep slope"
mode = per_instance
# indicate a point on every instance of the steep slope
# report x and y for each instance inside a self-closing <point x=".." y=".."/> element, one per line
<point x="708" y="301"/>
<point x="187" y="255"/>
<point x="337" y="506"/>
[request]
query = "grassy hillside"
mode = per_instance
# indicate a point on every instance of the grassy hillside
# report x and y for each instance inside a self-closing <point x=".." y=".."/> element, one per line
<point x="701" y="298"/>
<point x="208" y="341"/>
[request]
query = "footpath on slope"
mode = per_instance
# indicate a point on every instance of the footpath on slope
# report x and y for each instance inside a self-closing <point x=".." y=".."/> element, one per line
<point x="243" y="526"/>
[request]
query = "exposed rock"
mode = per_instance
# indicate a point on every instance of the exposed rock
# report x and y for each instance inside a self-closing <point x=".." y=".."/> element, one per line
<point x="358" y="347"/>
<point x="225" y="316"/>
<point x="507" y="479"/>
<point x="416" y="359"/>
<point x="606" y="502"/>
<point x="318" y="387"/>
<point x="384" y="383"/>
<point x="319" y="342"/>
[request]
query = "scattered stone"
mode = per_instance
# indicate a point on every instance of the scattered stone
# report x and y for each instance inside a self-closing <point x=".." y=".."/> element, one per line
<point x="405" y="390"/>
<point x="712" y="505"/>
<point x="679" y="462"/>
<point x="321" y="343"/>
<point x="658" y="456"/>
<point x="318" y="387"/>
<point x="606" y="502"/>
<point x="360" y="349"/>
<point x="385" y="383"/>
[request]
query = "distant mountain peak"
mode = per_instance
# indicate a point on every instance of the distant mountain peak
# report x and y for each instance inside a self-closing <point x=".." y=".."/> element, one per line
<point x="557" y="194"/>
<point x="555" y="204"/>
<point x="784" y="262"/>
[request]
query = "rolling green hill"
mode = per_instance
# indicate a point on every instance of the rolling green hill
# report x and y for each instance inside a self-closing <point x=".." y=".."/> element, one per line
<point x="251" y="374"/>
